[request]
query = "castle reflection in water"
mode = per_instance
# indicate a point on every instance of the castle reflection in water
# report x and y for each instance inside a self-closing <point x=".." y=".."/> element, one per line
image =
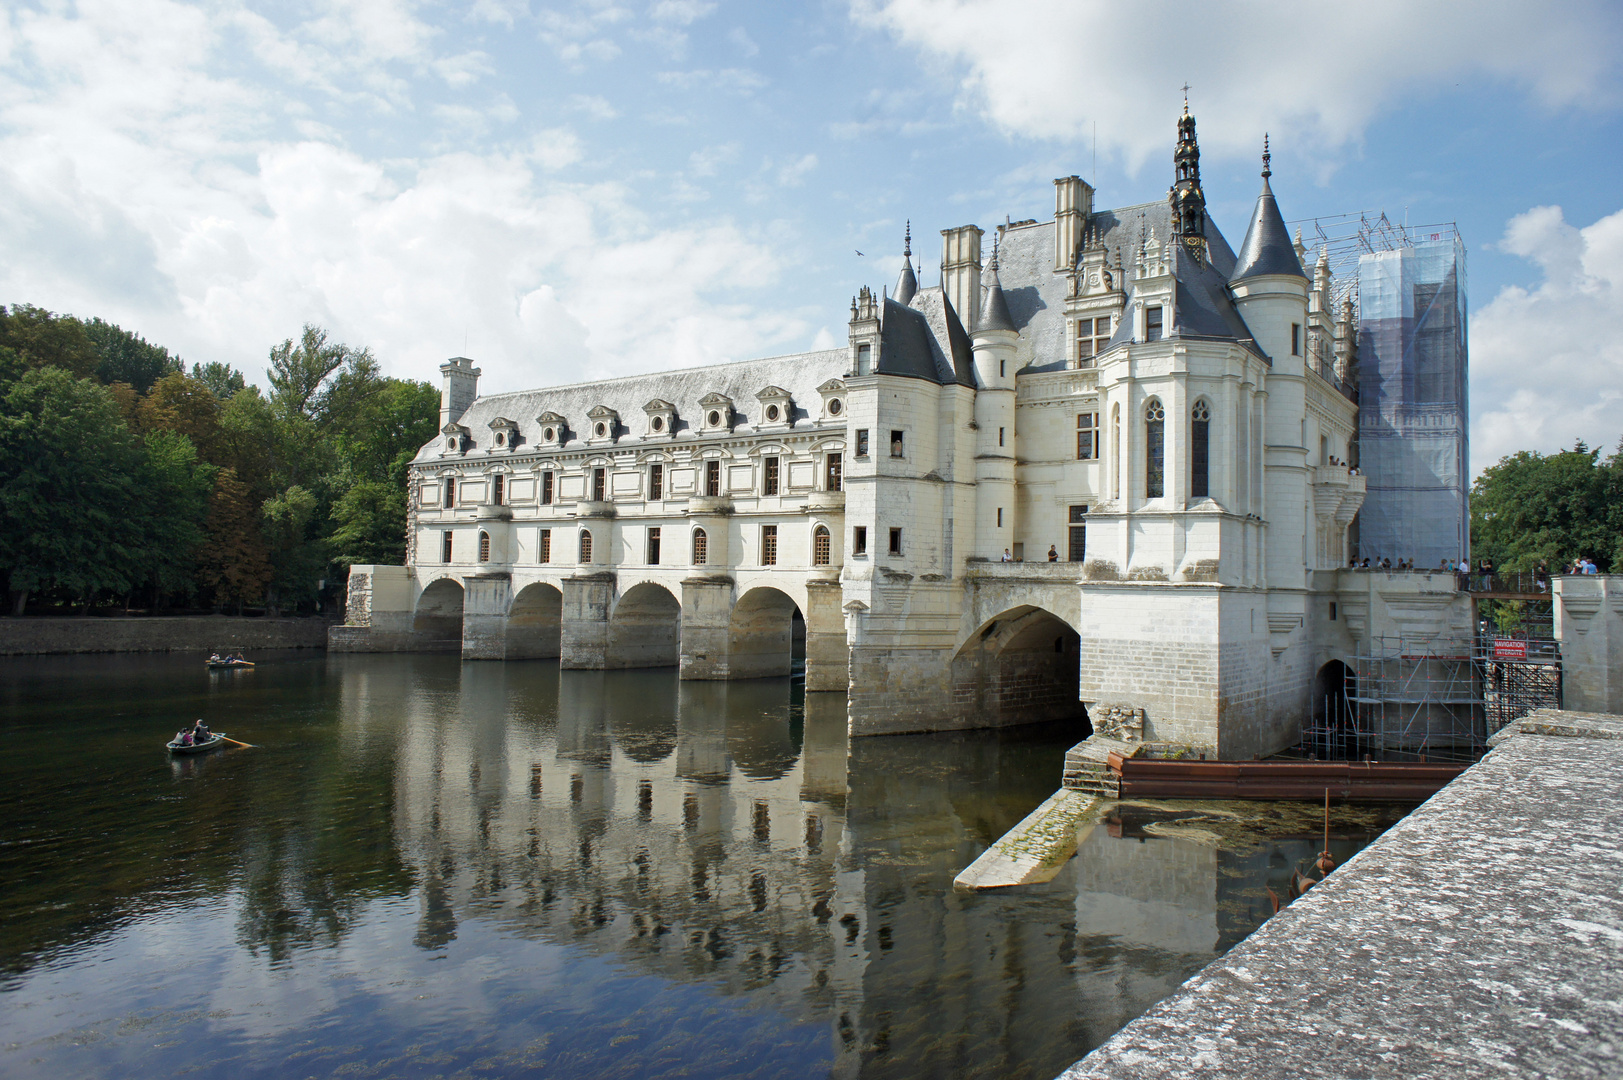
<point x="731" y="834"/>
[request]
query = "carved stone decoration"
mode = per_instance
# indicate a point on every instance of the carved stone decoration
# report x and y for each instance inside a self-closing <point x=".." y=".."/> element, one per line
<point x="1118" y="722"/>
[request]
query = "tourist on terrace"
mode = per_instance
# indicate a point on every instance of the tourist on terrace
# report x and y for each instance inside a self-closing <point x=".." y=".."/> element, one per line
<point x="1484" y="573"/>
<point x="1006" y="556"/>
<point x="1053" y="553"/>
<point x="1541" y="578"/>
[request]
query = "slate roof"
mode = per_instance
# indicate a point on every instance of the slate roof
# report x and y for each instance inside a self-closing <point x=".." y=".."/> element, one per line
<point x="1267" y="248"/>
<point x="800" y="374"/>
<point x="925" y="340"/>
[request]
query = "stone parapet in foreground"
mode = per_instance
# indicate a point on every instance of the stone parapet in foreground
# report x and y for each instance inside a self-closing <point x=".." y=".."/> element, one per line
<point x="1481" y="936"/>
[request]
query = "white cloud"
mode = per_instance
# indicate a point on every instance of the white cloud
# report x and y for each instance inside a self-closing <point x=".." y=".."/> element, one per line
<point x="1316" y="73"/>
<point x="734" y="80"/>
<point x="137" y="185"/>
<point x="680" y="12"/>
<point x="1550" y="358"/>
<point x="592" y="106"/>
<point x="793" y="173"/>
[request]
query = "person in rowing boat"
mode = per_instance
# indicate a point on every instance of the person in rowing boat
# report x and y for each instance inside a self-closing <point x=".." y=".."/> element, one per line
<point x="183" y="738"/>
<point x="200" y="733"/>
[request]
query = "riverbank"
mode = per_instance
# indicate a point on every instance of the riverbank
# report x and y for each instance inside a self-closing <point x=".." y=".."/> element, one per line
<point x="1479" y="936"/>
<point x="183" y="633"/>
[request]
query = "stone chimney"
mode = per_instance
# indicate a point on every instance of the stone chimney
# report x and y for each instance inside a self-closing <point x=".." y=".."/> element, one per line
<point x="461" y="386"/>
<point x="961" y="271"/>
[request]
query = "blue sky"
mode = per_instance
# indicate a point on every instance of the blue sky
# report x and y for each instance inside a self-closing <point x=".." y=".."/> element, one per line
<point x="571" y="190"/>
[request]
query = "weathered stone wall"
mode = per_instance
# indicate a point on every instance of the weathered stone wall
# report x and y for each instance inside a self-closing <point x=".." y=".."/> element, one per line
<point x="201" y="633"/>
<point x="1589" y="622"/>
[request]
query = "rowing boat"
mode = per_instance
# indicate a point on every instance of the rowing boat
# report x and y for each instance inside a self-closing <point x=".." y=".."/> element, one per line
<point x="216" y="739"/>
<point x="217" y="664"/>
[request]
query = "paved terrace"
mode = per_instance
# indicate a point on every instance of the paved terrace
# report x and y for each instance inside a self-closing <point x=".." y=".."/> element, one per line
<point x="1480" y="937"/>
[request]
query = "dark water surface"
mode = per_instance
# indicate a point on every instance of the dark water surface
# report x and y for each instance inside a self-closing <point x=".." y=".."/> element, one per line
<point x="431" y="868"/>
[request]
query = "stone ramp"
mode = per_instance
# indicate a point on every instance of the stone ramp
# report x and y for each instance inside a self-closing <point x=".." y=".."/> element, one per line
<point x="1034" y="850"/>
<point x="1481" y="936"/>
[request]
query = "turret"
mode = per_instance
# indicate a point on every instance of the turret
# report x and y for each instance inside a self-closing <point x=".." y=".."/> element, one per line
<point x="460" y="387"/>
<point x="863" y="333"/>
<point x="907" y="285"/>
<point x="1188" y="201"/>
<point x="1269" y="287"/>
<point x="993" y="339"/>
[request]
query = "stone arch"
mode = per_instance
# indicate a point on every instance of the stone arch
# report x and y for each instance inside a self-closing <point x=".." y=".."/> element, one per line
<point x="534" y="622"/>
<point x="761" y="634"/>
<point x="1334" y="731"/>
<point x="645" y="628"/>
<point x="437" y="620"/>
<point x="1021" y="667"/>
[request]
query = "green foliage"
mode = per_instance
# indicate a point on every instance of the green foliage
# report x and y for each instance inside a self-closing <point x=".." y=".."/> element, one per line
<point x="45" y="339"/>
<point x="128" y="358"/>
<point x="1533" y="508"/>
<point x="68" y="481"/>
<point x="222" y="380"/>
<point x="371" y="525"/>
<point x="174" y="483"/>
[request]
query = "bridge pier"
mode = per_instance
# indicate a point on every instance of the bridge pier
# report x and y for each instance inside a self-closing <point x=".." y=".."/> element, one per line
<point x="584" y="623"/>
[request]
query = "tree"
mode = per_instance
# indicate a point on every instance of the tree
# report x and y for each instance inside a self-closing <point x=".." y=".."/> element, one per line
<point x="233" y="565"/>
<point x="223" y="380"/>
<point x="298" y="372"/>
<point x="68" y="465"/>
<point x="297" y="559"/>
<point x="181" y="403"/>
<point x="1531" y="508"/>
<point x="371" y="525"/>
<point x="175" y="487"/>
<point x="128" y="358"/>
<point x="45" y="339"/>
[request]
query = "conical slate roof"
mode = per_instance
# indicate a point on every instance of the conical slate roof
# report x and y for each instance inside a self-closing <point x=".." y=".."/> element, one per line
<point x="995" y="308"/>
<point x="1267" y="248"/>
<point x="907" y="286"/>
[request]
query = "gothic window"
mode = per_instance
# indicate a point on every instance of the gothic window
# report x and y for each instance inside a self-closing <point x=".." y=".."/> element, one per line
<point x="769" y="545"/>
<point x="712" y="478"/>
<point x="1092" y="335"/>
<point x="701" y="547"/>
<point x="820" y="546"/>
<point x="599" y="484"/>
<point x="1200" y="427"/>
<point x="546" y="488"/>
<point x="769" y="476"/>
<point x="585" y="546"/>
<point x="1087" y="436"/>
<point x="1155" y="426"/>
<point x="656" y="481"/>
<point x="1115" y="451"/>
<point x="450" y="492"/>
<point x="834" y="473"/>
<point x="484" y="546"/>
<point x="653" y="545"/>
<point x="1152" y="323"/>
<point x="498" y="485"/>
<point x="546" y="545"/>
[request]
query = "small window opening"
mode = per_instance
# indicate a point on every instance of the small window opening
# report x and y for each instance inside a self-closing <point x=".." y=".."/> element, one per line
<point x="653" y="545"/>
<point x="834" y="474"/>
<point x="895" y="541"/>
<point x="599" y="484"/>
<point x="656" y="481"/>
<point x="712" y="478"/>
<point x="859" y="540"/>
<point x="701" y="547"/>
<point x="546" y="545"/>
<point x="450" y="492"/>
<point x="585" y="546"/>
<point x="484" y="547"/>
<point x="769" y="545"/>
<point x="820" y="546"/>
<point x="862" y="442"/>
<point x="769" y="476"/>
<point x="896" y="444"/>
<point x="1152" y="323"/>
<point x="498" y="489"/>
<point x="546" y="488"/>
<point x="445" y="547"/>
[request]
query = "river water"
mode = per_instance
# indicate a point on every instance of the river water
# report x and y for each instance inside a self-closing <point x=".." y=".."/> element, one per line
<point x="432" y="868"/>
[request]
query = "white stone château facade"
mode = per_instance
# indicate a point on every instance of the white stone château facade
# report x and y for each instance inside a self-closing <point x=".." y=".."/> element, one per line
<point x="1171" y="419"/>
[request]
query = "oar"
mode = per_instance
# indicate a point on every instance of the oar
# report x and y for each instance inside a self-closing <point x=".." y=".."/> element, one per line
<point x="239" y="742"/>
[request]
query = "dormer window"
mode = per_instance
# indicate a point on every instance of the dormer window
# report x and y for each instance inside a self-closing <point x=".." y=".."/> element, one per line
<point x="777" y="407"/>
<point x="1152" y="323"/>
<point x="833" y="393"/>
<point x="552" y="429"/>
<point x="605" y="424"/>
<point x="718" y="412"/>
<point x="1092" y="335"/>
<point x="456" y="439"/>
<point x="661" y="419"/>
<point x="504" y="434"/>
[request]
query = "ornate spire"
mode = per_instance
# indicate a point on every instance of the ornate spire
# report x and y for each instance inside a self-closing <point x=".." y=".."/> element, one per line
<point x="995" y="309"/>
<point x="1267" y="170"/>
<point x="1267" y="248"/>
<point x="1188" y="201"/>
<point x="907" y="285"/>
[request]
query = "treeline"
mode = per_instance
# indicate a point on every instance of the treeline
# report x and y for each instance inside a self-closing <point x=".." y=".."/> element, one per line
<point x="1549" y="509"/>
<point x="127" y="478"/>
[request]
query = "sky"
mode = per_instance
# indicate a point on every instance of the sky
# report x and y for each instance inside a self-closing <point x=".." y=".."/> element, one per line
<point x="572" y="190"/>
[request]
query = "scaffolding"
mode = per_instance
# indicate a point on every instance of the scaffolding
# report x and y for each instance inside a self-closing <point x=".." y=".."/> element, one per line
<point x="1403" y="699"/>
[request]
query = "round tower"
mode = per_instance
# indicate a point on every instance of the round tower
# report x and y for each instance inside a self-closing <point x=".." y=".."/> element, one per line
<point x="993" y="338"/>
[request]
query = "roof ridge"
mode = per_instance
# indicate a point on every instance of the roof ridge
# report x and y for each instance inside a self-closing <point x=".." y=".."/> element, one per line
<point x="653" y="374"/>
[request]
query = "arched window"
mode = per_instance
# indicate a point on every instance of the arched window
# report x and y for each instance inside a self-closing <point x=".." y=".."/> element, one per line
<point x="1155" y="448"/>
<point x="701" y="544"/>
<point x="585" y="546"/>
<point x="1200" y="428"/>
<point x="484" y="546"/>
<point x="820" y="546"/>
<point x="1115" y="452"/>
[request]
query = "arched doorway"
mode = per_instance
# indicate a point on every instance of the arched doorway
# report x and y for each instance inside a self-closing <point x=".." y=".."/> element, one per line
<point x="761" y="635"/>
<point x="1022" y="667"/>
<point x="645" y="629"/>
<point x="438" y="619"/>
<point x="1333" y="732"/>
<point x="534" y="623"/>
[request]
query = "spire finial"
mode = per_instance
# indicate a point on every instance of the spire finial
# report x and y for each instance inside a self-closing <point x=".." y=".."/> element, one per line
<point x="1267" y="170"/>
<point x="907" y="241"/>
<point x="1186" y="99"/>
<point x="996" y="240"/>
